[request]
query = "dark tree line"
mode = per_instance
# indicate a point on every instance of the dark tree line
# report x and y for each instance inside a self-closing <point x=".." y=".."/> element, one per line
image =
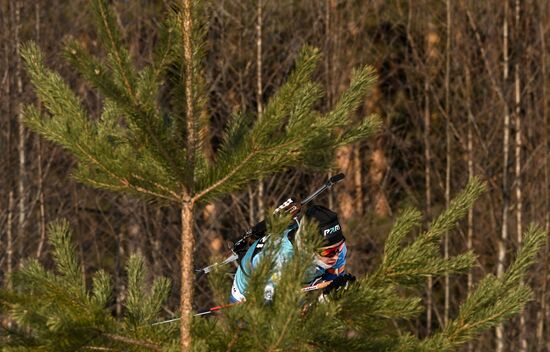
<point x="462" y="91"/>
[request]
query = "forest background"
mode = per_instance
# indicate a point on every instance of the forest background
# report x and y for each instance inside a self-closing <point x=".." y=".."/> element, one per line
<point x="462" y="91"/>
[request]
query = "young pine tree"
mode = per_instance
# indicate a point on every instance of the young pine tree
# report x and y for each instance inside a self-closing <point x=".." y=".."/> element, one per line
<point x="58" y="311"/>
<point x="149" y="136"/>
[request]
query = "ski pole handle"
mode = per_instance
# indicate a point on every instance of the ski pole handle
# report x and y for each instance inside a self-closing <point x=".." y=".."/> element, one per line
<point x="331" y="181"/>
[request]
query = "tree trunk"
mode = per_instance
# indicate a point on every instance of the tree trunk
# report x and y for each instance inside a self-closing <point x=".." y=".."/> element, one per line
<point x="9" y="244"/>
<point x="259" y="94"/>
<point x="210" y="216"/>
<point x="543" y="311"/>
<point x="251" y="202"/>
<point x="518" y="165"/>
<point x="344" y="159"/>
<point x="187" y="276"/>
<point x="378" y="163"/>
<point x="40" y="175"/>
<point x="432" y="38"/>
<point x="21" y="180"/>
<point x="505" y="195"/>
<point x="187" y="30"/>
<point x="119" y="284"/>
<point x="41" y="201"/>
<point x="7" y="95"/>
<point x="156" y="243"/>
<point x="358" y="181"/>
<point x="330" y="8"/>
<point x="470" y="158"/>
<point x="448" y="152"/>
<point x="187" y="206"/>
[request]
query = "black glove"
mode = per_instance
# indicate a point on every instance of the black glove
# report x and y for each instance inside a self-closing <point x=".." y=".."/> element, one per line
<point x="339" y="284"/>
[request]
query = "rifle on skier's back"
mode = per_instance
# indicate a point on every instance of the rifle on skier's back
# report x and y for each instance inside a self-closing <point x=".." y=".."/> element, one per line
<point x="290" y="206"/>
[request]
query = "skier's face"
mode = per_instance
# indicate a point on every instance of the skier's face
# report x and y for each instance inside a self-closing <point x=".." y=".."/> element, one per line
<point x="329" y="255"/>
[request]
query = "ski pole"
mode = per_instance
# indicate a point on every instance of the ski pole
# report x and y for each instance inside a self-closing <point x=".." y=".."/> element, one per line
<point x="215" y="309"/>
<point x="315" y="287"/>
<point x="331" y="181"/>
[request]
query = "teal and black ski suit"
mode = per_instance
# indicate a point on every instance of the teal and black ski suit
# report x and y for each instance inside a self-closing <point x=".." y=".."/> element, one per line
<point x="286" y="250"/>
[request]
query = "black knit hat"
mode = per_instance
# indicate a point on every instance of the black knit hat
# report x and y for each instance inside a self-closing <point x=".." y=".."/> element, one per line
<point x="329" y="226"/>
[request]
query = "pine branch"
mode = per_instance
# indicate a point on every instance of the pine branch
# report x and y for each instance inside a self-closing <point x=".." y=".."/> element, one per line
<point x="494" y="299"/>
<point x="134" y="342"/>
<point x="63" y="253"/>
<point x="111" y="37"/>
<point x="406" y="221"/>
<point x="143" y="115"/>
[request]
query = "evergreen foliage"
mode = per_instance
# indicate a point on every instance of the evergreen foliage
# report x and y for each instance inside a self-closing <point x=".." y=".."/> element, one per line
<point x="147" y="153"/>
<point x="143" y="143"/>
<point x="58" y="311"/>
<point x="369" y="315"/>
<point x="150" y="135"/>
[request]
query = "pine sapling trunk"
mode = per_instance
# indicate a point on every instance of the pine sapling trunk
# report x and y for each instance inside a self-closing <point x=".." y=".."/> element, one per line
<point x="186" y="262"/>
<point x="187" y="207"/>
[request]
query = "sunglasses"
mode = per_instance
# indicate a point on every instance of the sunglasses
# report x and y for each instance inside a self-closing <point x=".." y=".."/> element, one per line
<point x="332" y="251"/>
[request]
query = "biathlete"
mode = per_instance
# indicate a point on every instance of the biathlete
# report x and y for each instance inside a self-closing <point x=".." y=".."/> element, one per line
<point x="329" y="263"/>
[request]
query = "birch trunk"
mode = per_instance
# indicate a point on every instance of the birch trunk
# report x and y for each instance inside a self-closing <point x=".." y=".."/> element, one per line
<point x="505" y="195"/>
<point x="21" y="181"/>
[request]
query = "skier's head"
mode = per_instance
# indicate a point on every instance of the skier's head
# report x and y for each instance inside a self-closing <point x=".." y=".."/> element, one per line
<point x="330" y="229"/>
